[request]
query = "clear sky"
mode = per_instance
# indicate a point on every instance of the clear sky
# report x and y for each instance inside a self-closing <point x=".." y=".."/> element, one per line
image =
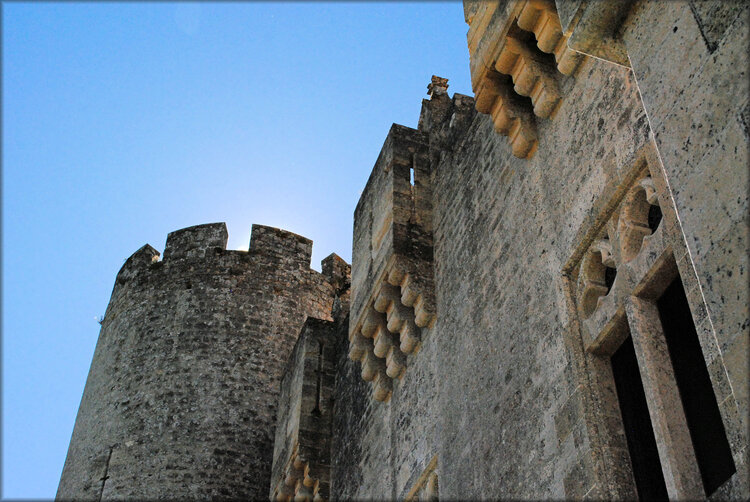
<point x="123" y="122"/>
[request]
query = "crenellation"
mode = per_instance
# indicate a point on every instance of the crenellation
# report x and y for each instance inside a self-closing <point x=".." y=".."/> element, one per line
<point x="388" y="211"/>
<point x="196" y="241"/>
<point x="337" y="272"/>
<point x="138" y="261"/>
<point x="393" y="251"/>
<point x="446" y="121"/>
<point x="522" y="265"/>
<point x="438" y="108"/>
<point x="281" y="244"/>
<point x="204" y="325"/>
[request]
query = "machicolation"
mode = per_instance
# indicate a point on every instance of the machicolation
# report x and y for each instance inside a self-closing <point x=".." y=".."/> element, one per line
<point x="547" y="297"/>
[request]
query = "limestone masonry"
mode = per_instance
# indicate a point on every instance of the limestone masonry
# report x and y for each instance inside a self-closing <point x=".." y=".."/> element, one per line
<point x="548" y="295"/>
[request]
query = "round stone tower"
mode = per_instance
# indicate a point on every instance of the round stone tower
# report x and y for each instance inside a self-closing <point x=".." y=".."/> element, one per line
<point x="180" y="400"/>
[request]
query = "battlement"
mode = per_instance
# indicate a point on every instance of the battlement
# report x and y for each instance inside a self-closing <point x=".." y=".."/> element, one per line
<point x="393" y="217"/>
<point x="439" y="109"/>
<point x="233" y="316"/>
<point x="193" y="251"/>
<point x="393" y="297"/>
<point x="444" y="119"/>
<point x="392" y="281"/>
<point x="195" y="241"/>
<point x="398" y="150"/>
<point x="277" y="243"/>
<point x="137" y="261"/>
<point x="337" y="271"/>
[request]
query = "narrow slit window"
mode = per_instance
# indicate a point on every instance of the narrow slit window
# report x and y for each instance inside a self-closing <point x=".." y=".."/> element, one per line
<point x="639" y="433"/>
<point x="318" y="382"/>
<point x="702" y="414"/>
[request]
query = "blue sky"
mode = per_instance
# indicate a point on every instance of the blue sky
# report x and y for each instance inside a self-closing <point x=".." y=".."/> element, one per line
<point x="123" y="122"/>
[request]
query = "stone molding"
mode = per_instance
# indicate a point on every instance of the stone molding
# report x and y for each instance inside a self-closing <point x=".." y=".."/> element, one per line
<point x="647" y="256"/>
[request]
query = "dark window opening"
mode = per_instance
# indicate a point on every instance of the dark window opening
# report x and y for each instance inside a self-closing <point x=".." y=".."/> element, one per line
<point x="609" y="277"/>
<point x="698" y="400"/>
<point x="639" y="433"/>
<point x="654" y="218"/>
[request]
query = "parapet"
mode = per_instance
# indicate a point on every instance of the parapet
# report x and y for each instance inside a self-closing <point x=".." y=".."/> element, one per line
<point x="276" y="243"/>
<point x="392" y="277"/>
<point x="302" y="447"/>
<point x="137" y="261"/>
<point x="273" y="246"/>
<point x="445" y="119"/>
<point x="337" y="272"/>
<point x="393" y="292"/>
<point x="193" y="242"/>
<point x="393" y="218"/>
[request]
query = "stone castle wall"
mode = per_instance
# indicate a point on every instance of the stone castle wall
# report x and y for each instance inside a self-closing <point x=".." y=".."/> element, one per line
<point x="511" y="394"/>
<point x="507" y="255"/>
<point x="182" y="393"/>
<point x="301" y="464"/>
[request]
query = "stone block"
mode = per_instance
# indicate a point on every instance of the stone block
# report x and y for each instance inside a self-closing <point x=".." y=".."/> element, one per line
<point x="195" y="242"/>
<point x="655" y="34"/>
<point x="712" y="192"/>
<point x="708" y="103"/>
<point x="723" y="276"/>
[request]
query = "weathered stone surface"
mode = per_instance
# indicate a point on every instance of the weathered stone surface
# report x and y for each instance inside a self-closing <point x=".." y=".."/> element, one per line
<point x="715" y="18"/>
<point x="592" y="27"/>
<point x="181" y="398"/>
<point x="513" y="401"/>
<point x="487" y="296"/>
<point x="302" y="447"/>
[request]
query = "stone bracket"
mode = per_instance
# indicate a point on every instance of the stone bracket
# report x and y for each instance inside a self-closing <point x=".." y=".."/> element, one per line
<point x="494" y="96"/>
<point x="514" y="40"/>
<point x="532" y="76"/>
<point x="390" y="327"/>
<point x="540" y="17"/>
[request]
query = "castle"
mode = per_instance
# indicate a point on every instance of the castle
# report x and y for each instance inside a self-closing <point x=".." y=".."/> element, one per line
<point x="548" y="295"/>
